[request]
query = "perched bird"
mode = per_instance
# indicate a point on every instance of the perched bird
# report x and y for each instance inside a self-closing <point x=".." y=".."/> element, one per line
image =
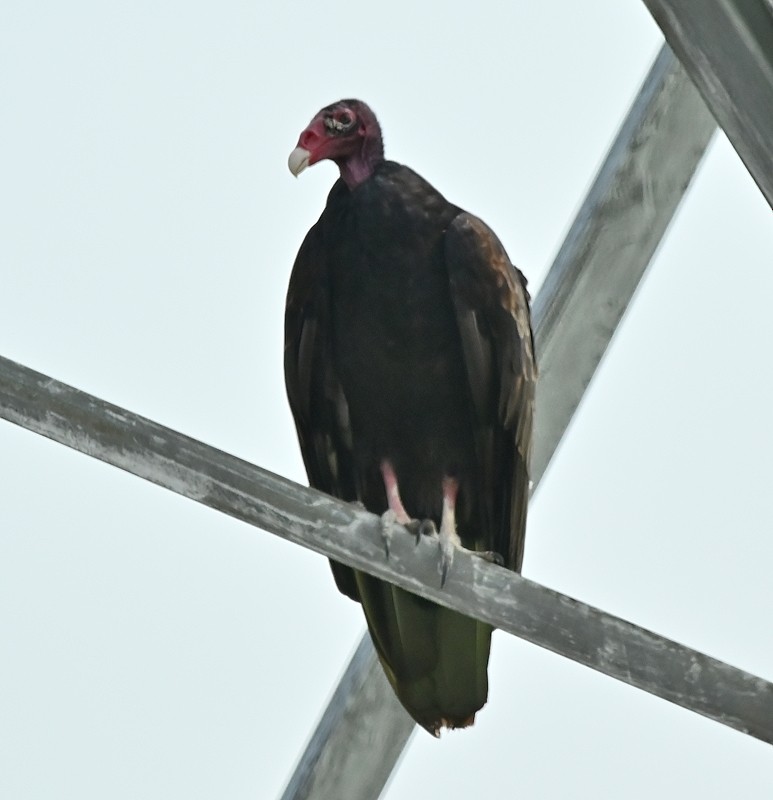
<point x="409" y="366"/>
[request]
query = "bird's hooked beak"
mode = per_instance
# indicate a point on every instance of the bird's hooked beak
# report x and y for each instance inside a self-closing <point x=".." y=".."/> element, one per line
<point x="298" y="160"/>
<point x="314" y="144"/>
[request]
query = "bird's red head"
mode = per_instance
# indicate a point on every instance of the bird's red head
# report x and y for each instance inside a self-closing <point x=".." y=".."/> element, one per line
<point x="347" y="133"/>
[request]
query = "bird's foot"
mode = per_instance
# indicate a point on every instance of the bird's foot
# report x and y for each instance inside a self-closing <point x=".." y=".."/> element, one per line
<point x="449" y="543"/>
<point x="448" y="538"/>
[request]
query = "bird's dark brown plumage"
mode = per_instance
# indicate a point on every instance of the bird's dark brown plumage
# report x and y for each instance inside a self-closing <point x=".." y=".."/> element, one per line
<point x="408" y="348"/>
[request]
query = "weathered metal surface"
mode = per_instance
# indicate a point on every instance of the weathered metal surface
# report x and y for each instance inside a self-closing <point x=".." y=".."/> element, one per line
<point x="349" y="756"/>
<point x="586" y="292"/>
<point x="726" y="46"/>
<point x="611" y="242"/>
<point x="335" y="529"/>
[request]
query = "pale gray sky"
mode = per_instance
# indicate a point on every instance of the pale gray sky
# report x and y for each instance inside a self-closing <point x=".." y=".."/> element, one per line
<point x="151" y="648"/>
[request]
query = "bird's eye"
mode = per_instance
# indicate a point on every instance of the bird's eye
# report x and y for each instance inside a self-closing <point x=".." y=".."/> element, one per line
<point x="340" y="123"/>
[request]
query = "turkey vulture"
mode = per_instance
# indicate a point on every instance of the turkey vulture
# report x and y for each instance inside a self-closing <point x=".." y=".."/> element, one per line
<point x="409" y="366"/>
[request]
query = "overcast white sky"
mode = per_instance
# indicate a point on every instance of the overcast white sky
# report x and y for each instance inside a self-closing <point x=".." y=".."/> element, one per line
<point x="152" y="648"/>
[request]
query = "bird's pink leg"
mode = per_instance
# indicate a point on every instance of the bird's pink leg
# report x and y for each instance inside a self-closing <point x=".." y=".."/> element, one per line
<point x="396" y="513"/>
<point x="448" y="537"/>
<point x="393" y="494"/>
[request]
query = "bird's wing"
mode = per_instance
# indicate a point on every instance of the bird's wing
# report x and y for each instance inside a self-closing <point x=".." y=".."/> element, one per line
<point x="316" y="399"/>
<point x="492" y="311"/>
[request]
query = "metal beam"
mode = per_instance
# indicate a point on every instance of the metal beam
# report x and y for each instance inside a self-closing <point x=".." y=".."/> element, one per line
<point x="611" y="242"/>
<point x="349" y="756"/>
<point x="586" y="292"/>
<point x="338" y="530"/>
<point x="726" y="46"/>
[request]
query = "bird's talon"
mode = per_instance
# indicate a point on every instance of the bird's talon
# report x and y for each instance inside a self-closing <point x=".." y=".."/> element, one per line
<point x="447" y="549"/>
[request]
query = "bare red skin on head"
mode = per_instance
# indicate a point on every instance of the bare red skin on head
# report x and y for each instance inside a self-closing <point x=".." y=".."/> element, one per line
<point x="320" y="144"/>
<point x="356" y="152"/>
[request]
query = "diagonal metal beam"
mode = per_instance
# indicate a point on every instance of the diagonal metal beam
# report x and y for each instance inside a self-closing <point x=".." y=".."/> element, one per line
<point x="359" y="739"/>
<point x="726" y="46"/>
<point x="336" y="529"/>
<point x="586" y="292"/>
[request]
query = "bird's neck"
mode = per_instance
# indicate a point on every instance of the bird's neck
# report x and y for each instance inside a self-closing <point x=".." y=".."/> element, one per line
<point x="358" y="167"/>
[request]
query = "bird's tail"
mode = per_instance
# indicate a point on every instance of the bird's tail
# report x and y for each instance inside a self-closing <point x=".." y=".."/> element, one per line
<point x="435" y="659"/>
